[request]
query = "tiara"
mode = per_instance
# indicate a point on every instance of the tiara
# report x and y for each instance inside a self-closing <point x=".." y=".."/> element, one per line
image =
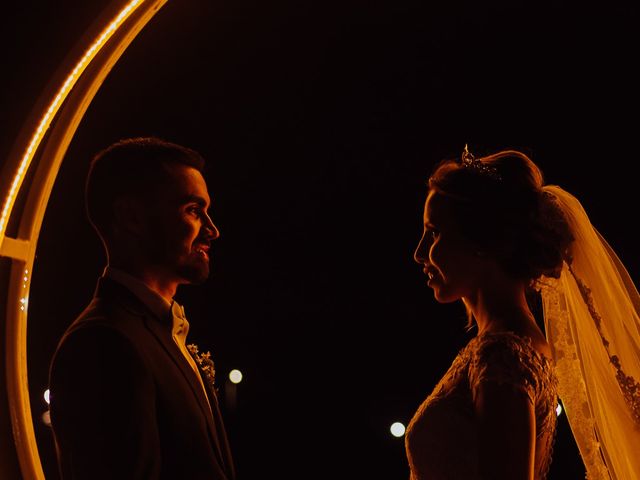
<point x="469" y="161"/>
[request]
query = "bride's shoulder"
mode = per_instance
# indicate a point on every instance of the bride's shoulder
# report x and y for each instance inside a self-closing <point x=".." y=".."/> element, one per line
<point x="509" y="346"/>
<point x="505" y="357"/>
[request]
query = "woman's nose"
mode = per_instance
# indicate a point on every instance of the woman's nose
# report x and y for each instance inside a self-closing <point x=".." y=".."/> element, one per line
<point x="420" y="254"/>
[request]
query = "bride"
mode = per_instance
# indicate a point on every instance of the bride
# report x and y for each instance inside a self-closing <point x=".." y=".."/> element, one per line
<point x="493" y="234"/>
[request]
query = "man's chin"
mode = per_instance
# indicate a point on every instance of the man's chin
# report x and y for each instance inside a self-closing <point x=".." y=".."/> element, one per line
<point x="195" y="274"/>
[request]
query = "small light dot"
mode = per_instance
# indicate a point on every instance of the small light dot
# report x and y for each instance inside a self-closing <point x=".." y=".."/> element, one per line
<point x="46" y="418"/>
<point x="235" y="376"/>
<point x="47" y="396"/>
<point x="26" y="278"/>
<point x="397" y="429"/>
<point x="558" y="410"/>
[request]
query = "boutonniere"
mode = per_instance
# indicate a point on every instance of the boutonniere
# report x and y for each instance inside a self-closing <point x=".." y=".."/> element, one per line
<point x="205" y="364"/>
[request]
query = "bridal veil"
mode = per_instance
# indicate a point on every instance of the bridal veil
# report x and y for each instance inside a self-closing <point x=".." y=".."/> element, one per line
<point x="592" y="322"/>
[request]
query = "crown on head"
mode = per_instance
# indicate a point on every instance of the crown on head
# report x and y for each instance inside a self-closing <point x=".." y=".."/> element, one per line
<point x="469" y="161"/>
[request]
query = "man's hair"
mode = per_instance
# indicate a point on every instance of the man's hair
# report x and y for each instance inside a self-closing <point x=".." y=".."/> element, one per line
<point x="132" y="167"/>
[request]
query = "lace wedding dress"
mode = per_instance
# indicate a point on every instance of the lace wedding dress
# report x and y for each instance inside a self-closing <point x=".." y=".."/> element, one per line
<point x="441" y="439"/>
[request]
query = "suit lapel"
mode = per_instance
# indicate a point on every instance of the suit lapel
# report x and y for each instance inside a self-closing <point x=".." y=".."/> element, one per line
<point x="161" y="330"/>
<point x="223" y="444"/>
<point x="163" y="335"/>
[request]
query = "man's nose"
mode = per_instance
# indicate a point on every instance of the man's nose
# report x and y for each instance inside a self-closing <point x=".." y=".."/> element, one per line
<point x="210" y="227"/>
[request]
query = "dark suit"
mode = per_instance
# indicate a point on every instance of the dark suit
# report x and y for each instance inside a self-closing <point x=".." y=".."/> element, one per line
<point x="125" y="403"/>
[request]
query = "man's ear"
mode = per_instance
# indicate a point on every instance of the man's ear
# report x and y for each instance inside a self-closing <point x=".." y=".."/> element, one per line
<point x="129" y="217"/>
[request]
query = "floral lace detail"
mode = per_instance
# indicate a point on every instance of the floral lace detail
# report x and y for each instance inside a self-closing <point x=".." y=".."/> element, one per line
<point x="441" y="438"/>
<point x="572" y="388"/>
<point x="630" y="388"/>
<point x="592" y="316"/>
<point x="507" y="358"/>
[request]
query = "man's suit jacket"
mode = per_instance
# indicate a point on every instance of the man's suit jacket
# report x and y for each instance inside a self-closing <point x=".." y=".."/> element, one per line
<point x="125" y="403"/>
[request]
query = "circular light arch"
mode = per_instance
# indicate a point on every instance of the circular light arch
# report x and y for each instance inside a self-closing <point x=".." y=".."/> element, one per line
<point x="47" y="139"/>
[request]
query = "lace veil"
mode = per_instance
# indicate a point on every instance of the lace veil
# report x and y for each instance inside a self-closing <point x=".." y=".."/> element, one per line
<point x="592" y="323"/>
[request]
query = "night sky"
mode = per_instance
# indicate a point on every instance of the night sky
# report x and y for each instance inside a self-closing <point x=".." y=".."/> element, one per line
<point x="321" y="121"/>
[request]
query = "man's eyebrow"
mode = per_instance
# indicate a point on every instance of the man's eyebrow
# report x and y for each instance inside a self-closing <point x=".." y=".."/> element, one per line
<point x="195" y="199"/>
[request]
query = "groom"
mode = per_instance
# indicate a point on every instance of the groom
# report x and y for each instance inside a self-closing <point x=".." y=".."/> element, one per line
<point x="128" y="400"/>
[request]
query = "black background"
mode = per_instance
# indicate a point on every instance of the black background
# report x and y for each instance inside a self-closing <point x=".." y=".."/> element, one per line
<point x="321" y="121"/>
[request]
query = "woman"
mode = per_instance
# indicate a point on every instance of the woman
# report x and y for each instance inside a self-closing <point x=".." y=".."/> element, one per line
<point x="493" y="235"/>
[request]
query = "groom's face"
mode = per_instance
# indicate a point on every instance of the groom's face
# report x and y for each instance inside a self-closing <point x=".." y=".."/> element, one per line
<point x="178" y="230"/>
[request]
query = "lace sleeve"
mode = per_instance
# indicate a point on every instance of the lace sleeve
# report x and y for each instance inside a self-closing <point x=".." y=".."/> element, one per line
<point x="505" y="358"/>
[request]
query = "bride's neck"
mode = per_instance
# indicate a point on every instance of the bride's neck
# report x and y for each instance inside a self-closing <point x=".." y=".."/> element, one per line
<point x="499" y="308"/>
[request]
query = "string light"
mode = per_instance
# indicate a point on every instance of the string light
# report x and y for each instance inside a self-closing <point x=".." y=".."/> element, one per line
<point x="23" y="249"/>
<point x="53" y="109"/>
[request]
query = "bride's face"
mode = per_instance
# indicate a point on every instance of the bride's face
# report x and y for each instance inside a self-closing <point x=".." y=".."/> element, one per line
<point x="449" y="260"/>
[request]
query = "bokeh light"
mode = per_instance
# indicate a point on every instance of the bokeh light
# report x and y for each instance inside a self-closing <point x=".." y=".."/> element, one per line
<point x="235" y="376"/>
<point x="397" y="429"/>
<point x="46" y="418"/>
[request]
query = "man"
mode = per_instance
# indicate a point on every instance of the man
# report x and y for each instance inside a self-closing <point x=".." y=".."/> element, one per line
<point x="128" y="401"/>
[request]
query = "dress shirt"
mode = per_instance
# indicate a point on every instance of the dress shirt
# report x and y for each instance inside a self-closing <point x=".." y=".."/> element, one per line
<point x="161" y="308"/>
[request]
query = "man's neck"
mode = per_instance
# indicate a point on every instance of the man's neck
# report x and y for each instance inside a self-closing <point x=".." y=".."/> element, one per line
<point x="151" y="278"/>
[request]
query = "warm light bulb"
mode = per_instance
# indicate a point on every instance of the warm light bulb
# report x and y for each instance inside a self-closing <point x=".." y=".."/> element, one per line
<point x="397" y="429"/>
<point x="235" y="376"/>
<point x="46" y="418"/>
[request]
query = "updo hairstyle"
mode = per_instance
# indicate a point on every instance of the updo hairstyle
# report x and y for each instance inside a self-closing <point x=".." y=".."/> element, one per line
<point x="498" y="203"/>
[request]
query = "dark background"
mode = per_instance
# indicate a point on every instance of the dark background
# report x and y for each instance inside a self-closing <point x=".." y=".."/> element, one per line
<point x="321" y="121"/>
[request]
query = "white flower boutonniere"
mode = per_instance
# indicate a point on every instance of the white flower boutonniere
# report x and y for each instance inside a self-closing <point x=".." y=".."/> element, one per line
<point x="205" y="364"/>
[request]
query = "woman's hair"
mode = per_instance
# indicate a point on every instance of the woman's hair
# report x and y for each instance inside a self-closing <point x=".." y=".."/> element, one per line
<point x="498" y="203"/>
